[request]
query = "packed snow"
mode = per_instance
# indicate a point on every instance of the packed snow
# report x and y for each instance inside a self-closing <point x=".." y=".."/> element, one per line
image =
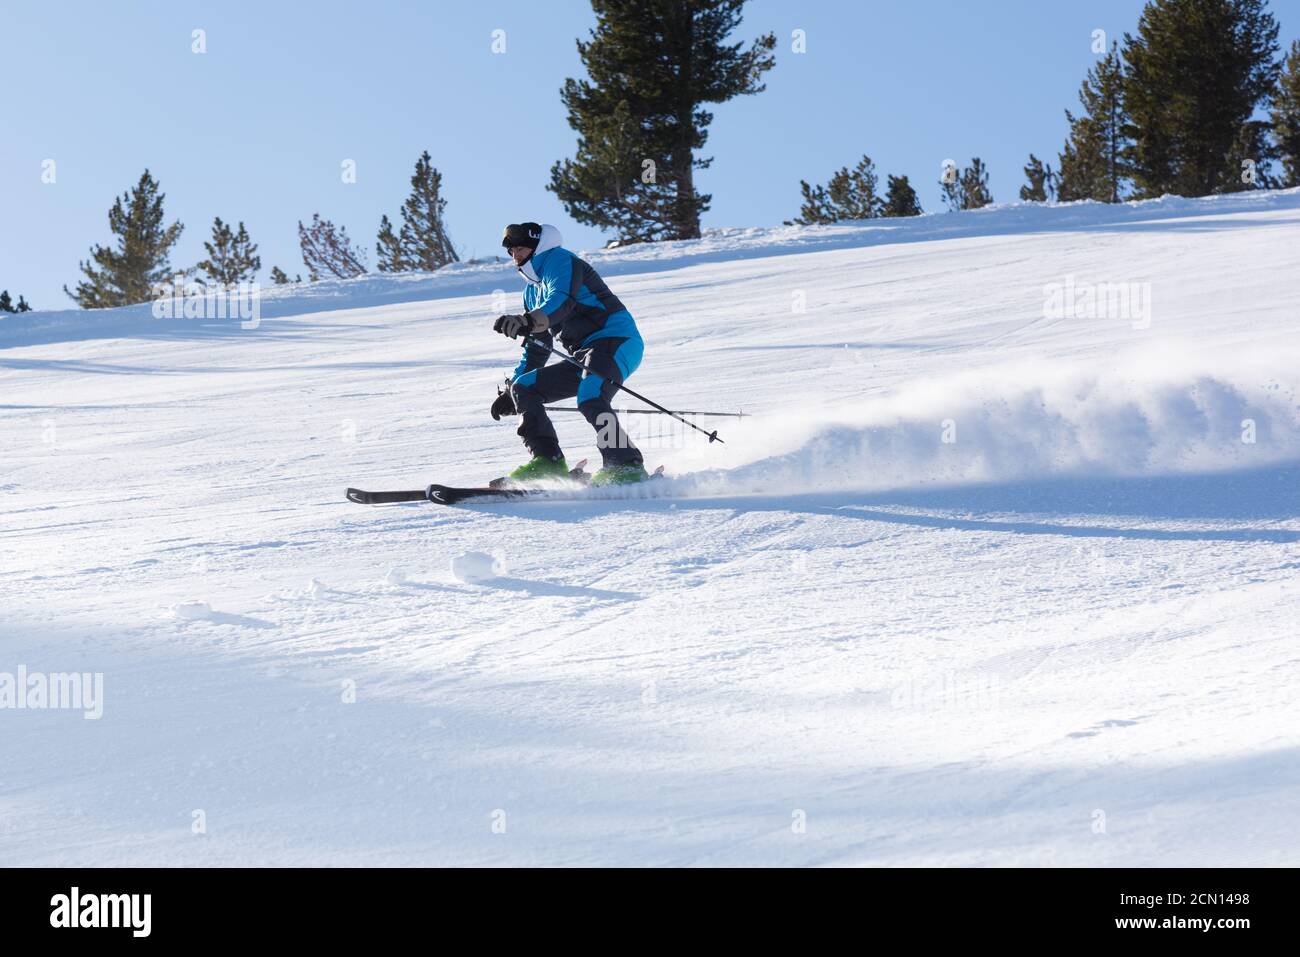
<point x="999" y="568"/>
<point x="471" y="567"/>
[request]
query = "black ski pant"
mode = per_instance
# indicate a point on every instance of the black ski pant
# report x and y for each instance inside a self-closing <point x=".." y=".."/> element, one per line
<point x="594" y="385"/>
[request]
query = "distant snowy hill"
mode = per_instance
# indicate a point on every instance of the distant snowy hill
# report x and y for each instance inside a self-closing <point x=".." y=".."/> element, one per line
<point x="1000" y="569"/>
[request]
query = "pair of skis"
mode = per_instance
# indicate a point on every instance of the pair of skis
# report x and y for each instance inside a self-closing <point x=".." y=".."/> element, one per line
<point x="450" y="495"/>
<point x="441" y="494"/>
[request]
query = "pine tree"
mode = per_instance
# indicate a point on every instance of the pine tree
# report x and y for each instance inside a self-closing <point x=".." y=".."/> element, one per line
<point x="389" y="249"/>
<point x="1196" y="71"/>
<point x="1042" y="181"/>
<point x="129" y="273"/>
<point x="950" y="189"/>
<point x="425" y="243"/>
<point x="970" y="190"/>
<point x="278" y="276"/>
<point x="1081" y="166"/>
<point x="652" y="65"/>
<point x="607" y="186"/>
<point x="1285" y="115"/>
<point x="7" y="304"/>
<point x="900" y="198"/>
<point x="1102" y="94"/>
<point x="816" y="208"/>
<point x="1249" y="160"/>
<point x="1096" y="160"/>
<point x="975" y="185"/>
<point x="851" y="194"/>
<point x="232" y="257"/>
<point x="327" y="250"/>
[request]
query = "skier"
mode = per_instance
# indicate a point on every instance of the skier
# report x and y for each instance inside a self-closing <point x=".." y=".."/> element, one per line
<point x="565" y="297"/>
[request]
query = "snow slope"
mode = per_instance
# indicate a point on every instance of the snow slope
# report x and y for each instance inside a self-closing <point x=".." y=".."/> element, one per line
<point x="974" y="584"/>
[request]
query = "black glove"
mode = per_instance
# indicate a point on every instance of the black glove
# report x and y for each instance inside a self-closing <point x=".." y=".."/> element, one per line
<point x="512" y="326"/>
<point x="505" y="403"/>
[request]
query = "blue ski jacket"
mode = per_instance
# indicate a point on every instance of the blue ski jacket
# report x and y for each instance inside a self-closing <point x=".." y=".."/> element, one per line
<point x="565" y="297"/>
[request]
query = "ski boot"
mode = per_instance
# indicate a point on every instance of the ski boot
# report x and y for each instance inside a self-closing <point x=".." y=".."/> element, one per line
<point x="540" y="467"/>
<point x="627" y="474"/>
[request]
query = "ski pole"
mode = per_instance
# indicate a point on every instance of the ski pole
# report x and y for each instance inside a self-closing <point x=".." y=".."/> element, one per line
<point x="713" y="436"/>
<point x="717" y="415"/>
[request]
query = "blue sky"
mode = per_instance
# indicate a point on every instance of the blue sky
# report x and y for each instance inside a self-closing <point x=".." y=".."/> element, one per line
<point x="256" y="129"/>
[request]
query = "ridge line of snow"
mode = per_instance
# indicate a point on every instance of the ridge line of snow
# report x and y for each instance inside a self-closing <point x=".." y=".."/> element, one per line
<point x="716" y="245"/>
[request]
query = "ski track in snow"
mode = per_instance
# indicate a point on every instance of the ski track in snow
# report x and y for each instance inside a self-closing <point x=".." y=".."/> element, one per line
<point x="1063" y="637"/>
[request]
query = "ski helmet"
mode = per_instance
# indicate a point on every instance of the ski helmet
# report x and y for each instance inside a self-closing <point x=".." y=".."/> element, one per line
<point x="521" y="234"/>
